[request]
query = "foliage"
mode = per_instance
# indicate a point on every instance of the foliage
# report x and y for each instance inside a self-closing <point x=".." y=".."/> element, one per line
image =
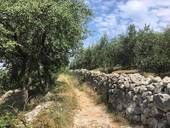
<point x="37" y="38"/>
<point x="94" y="56"/>
<point x="61" y="113"/>
<point x="7" y="121"/>
<point x="3" y="80"/>
<point x="127" y="45"/>
<point x="143" y="49"/>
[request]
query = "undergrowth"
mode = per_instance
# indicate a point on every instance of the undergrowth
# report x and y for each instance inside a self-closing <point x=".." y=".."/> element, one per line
<point x="58" y="115"/>
<point x="7" y="120"/>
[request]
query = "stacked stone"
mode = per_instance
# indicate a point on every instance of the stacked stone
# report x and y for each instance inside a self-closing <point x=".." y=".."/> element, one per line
<point x="141" y="100"/>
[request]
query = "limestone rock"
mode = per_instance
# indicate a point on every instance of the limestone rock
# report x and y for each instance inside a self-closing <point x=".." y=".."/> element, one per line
<point x="16" y="98"/>
<point x="133" y="109"/>
<point x="147" y="81"/>
<point x="166" y="79"/>
<point x="153" y="123"/>
<point x="168" y="89"/>
<point x="31" y="116"/>
<point x="136" y="118"/>
<point x="162" y="102"/>
<point x="162" y="124"/>
<point x="168" y="117"/>
<point x="150" y="87"/>
<point x="136" y="78"/>
<point x="156" y="79"/>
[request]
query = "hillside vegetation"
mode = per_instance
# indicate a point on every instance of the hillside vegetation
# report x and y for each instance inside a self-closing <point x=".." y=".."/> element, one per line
<point x="142" y="49"/>
<point x="52" y="110"/>
<point x="41" y="39"/>
<point x="37" y="38"/>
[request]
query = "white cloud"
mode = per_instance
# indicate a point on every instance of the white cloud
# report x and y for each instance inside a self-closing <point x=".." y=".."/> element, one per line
<point x="133" y="7"/>
<point x="153" y="12"/>
<point x="113" y="16"/>
<point x="105" y="23"/>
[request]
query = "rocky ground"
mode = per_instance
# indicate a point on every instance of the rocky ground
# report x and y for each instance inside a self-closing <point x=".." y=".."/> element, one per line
<point x="90" y="115"/>
<point x="142" y="100"/>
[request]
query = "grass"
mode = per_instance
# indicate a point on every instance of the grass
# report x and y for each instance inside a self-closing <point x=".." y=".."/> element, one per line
<point x="60" y="115"/>
<point x="7" y="120"/>
<point x="126" y="70"/>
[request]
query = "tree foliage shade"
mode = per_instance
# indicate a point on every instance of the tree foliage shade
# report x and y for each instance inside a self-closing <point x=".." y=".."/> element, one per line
<point x="37" y="37"/>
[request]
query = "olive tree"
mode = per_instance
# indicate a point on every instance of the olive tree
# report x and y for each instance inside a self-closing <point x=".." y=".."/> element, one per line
<point x="37" y="37"/>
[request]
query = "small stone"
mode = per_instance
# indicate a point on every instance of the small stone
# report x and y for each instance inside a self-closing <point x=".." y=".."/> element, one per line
<point x="153" y="123"/>
<point x="130" y="109"/>
<point x="146" y="112"/>
<point x="156" y="79"/>
<point x="136" y="78"/>
<point x="162" y="102"/>
<point x="119" y="107"/>
<point x="162" y="125"/>
<point x="136" y="118"/>
<point x="136" y="90"/>
<point x="150" y="98"/>
<point x="144" y="119"/>
<point x="145" y="94"/>
<point x="154" y="111"/>
<point x="147" y="81"/>
<point x="168" y="117"/>
<point x="150" y="87"/>
<point x="122" y="86"/>
<point x="130" y="94"/>
<point x="7" y="94"/>
<point x="135" y="97"/>
<point x="166" y="79"/>
<point x="168" y="88"/>
<point x="17" y="90"/>
<point x="137" y="110"/>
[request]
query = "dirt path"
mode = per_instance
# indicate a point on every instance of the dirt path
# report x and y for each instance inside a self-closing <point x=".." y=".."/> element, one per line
<point x="90" y="115"/>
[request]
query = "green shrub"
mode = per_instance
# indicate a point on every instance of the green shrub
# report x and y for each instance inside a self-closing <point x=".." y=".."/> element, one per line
<point x="7" y="121"/>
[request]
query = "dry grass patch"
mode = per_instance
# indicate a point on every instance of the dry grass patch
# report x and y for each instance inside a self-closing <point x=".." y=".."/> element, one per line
<point x="126" y="71"/>
<point x="61" y="113"/>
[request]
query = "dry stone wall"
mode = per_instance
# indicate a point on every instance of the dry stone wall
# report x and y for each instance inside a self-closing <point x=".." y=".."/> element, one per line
<point x="141" y="100"/>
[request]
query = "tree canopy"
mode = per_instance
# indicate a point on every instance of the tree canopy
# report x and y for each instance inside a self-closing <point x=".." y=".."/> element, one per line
<point x="143" y="49"/>
<point x="38" y="36"/>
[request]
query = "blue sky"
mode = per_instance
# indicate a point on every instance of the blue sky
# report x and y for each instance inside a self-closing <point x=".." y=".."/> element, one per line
<point x="113" y="16"/>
